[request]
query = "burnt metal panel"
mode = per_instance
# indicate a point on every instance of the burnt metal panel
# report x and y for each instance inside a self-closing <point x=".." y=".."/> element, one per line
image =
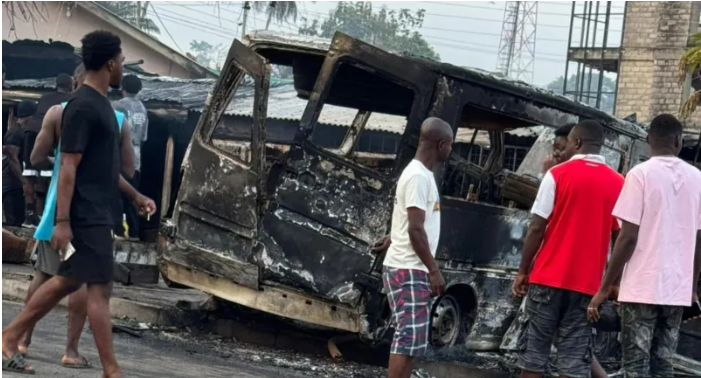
<point x="305" y="255"/>
<point x="481" y="234"/>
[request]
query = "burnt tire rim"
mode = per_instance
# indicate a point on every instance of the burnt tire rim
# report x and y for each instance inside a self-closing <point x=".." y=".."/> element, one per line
<point x="445" y="322"/>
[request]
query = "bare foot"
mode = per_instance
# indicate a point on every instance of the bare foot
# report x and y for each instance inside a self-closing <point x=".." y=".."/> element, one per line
<point x="9" y="348"/>
<point x="22" y="349"/>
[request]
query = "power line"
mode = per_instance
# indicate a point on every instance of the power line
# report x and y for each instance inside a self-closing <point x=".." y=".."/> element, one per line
<point x="165" y="28"/>
<point x="464" y="43"/>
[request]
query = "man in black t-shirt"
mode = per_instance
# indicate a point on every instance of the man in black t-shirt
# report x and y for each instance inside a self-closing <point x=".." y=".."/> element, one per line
<point x="88" y="188"/>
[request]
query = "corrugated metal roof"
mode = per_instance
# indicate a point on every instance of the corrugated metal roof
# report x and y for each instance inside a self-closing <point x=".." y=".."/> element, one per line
<point x="283" y="103"/>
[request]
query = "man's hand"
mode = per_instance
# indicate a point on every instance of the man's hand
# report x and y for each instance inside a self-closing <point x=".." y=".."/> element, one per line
<point x="144" y="205"/>
<point x="520" y="288"/>
<point x="435" y="279"/>
<point x="62" y="236"/>
<point x="381" y="245"/>
<point x="596" y="302"/>
<point x="548" y="163"/>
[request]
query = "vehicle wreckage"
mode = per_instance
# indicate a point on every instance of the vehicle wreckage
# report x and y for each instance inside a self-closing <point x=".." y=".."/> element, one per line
<point x="286" y="227"/>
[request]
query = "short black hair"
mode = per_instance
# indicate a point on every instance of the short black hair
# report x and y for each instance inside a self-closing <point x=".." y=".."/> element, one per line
<point x="665" y="127"/>
<point x="98" y="48"/>
<point x="64" y="82"/>
<point x="591" y="132"/>
<point x="563" y="131"/>
<point x="131" y="84"/>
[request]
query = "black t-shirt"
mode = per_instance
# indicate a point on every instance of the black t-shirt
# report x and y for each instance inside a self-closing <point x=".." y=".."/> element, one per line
<point x="90" y="128"/>
<point x="10" y="181"/>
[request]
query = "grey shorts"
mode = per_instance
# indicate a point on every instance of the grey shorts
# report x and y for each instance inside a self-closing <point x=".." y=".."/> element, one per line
<point x="48" y="259"/>
<point x="560" y="314"/>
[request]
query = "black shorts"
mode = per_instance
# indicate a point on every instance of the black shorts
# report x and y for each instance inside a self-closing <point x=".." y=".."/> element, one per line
<point x="93" y="260"/>
<point x="560" y="314"/>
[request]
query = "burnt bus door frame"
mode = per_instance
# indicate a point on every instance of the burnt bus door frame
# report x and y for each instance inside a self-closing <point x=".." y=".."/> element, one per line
<point x="219" y="201"/>
<point x="321" y="234"/>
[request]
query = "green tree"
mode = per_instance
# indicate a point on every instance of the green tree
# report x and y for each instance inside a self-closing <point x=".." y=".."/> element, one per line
<point x="608" y="89"/>
<point x="205" y="53"/>
<point x="280" y="10"/>
<point x="394" y="30"/>
<point x="133" y="12"/>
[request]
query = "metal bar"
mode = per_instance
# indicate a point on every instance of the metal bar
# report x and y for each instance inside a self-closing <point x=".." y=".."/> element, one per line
<point x="593" y="45"/>
<point x="586" y="46"/>
<point x="579" y="65"/>
<point x="569" y="45"/>
<point x="603" y="49"/>
<point x="620" y="56"/>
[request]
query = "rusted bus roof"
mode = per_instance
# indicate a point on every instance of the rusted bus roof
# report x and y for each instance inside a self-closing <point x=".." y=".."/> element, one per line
<point x="467" y="74"/>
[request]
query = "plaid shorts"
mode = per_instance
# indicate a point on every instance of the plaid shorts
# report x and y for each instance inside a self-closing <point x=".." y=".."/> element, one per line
<point x="409" y="295"/>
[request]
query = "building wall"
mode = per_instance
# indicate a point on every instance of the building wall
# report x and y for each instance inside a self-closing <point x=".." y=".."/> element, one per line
<point x="70" y="27"/>
<point x="656" y="34"/>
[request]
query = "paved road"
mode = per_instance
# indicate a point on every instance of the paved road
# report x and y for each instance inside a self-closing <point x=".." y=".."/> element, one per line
<point x="147" y="357"/>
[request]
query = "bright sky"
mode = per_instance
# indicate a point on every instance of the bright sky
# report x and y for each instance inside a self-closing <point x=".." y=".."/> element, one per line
<point x="463" y="33"/>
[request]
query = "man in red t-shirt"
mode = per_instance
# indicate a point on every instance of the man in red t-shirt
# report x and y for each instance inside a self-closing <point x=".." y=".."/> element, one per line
<point x="567" y="246"/>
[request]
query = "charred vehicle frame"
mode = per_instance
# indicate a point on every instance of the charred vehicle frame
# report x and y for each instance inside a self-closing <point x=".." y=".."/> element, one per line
<point x="286" y="227"/>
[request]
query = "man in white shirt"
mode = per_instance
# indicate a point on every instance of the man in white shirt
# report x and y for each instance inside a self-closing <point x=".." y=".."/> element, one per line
<point x="411" y="276"/>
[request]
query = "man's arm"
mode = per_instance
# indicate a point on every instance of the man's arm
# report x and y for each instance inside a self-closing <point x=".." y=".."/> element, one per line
<point x="127" y="150"/>
<point x="46" y="139"/>
<point x="622" y="252"/>
<point x="531" y="244"/>
<point x="66" y="184"/>
<point x="13" y="157"/>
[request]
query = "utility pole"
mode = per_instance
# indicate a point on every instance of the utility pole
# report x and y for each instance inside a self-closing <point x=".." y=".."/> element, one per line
<point x="246" y="9"/>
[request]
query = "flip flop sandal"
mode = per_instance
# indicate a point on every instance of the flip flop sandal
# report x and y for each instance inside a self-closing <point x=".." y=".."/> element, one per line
<point x="85" y="364"/>
<point x="18" y="365"/>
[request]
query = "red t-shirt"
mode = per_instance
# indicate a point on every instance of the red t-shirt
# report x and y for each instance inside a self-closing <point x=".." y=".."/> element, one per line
<point x="578" y="199"/>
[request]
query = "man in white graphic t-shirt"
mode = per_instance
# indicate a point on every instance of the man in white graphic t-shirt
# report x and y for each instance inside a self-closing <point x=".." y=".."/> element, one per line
<point x="411" y="276"/>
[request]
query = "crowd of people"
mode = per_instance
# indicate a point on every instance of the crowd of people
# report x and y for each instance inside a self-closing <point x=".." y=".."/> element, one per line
<point x="652" y="217"/>
<point x="67" y="159"/>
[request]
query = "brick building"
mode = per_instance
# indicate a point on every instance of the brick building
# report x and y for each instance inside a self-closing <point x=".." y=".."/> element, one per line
<point x="655" y="35"/>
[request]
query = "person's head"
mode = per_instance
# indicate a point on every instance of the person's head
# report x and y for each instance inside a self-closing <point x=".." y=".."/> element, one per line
<point x="665" y="135"/>
<point x="131" y="85"/>
<point x="586" y="137"/>
<point x="436" y="139"/>
<point x="25" y="110"/>
<point x="78" y="76"/>
<point x="560" y="143"/>
<point x="102" y="53"/>
<point x="64" y="83"/>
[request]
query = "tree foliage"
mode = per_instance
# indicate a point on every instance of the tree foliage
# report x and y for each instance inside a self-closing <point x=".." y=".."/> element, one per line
<point x="279" y="10"/>
<point x="133" y="12"/>
<point x="689" y="63"/>
<point x="205" y="53"/>
<point x="394" y="30"/>
<point x="607" y="99"/>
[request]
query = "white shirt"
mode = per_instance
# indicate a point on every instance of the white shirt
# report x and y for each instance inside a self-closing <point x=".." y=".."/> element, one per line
<point x="545" y="200"/>
<point x="416" y="188"/>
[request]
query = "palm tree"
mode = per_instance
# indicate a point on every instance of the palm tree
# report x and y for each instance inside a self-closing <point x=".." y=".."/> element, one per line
<point x="689" y="63"/>
<point x="281" y="10"/>
<point x="133" y="12"/>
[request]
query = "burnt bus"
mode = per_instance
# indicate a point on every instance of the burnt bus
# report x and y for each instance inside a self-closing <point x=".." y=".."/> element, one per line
<point x="275" y="222"/>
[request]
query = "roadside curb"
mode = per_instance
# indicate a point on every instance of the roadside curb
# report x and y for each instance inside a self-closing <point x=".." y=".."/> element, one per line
<point x="15" y="287"/>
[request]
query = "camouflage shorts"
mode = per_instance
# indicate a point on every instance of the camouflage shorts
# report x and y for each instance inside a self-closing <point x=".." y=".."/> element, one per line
<point x="649" y="338"/>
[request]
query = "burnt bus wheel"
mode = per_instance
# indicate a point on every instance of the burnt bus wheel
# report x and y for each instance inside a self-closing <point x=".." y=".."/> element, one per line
<point x="446" y="322"/>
